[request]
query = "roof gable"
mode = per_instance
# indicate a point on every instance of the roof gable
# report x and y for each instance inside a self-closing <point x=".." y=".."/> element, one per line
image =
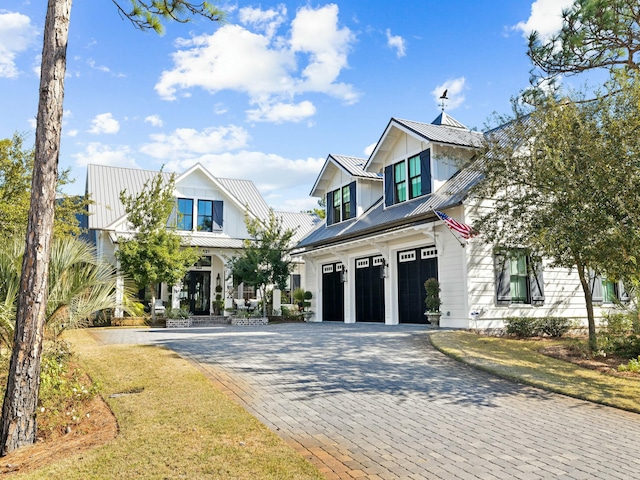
<point x="104" y="184"/>
<point x="443" y="130"/>
<point x="352" y="166"/>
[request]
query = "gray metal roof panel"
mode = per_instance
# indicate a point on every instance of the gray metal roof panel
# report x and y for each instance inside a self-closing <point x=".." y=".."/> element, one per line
<point x="247" y="193"/>
<point x="355" y="166"/>
<point x="378" y="218"/>
<point x="444" y="133"/>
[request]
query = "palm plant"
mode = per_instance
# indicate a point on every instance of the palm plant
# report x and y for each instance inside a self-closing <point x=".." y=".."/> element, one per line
<point x="79" y="285"/>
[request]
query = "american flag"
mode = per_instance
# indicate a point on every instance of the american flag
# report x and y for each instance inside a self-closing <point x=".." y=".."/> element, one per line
<point x="463" y="229"/>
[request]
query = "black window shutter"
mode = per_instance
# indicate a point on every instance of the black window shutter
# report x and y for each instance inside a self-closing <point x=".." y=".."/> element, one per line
<point x="595" y="282"/>
<point x="425" y="172"/>
<point x="503" y="287"/>
<point x="536" y="284"/>
<point x="329" y="208"/>
<point x="217" y="213"/>
<point x="388" y="185"/>
<point x="352" y="199"/>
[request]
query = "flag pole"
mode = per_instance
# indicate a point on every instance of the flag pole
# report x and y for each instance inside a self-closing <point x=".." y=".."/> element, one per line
<point x="448" y="228"/>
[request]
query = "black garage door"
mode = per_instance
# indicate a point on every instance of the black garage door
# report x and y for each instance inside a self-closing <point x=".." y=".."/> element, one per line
<point x="415" y="267"/>
<point x="369" y="289"/>
<point x="332" y="293"/>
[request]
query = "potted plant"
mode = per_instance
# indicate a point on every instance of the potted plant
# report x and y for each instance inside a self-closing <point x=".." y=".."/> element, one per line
<point x="432" y="301"/>
<point x="218" y="304"/>
<point x="298" y="298"/>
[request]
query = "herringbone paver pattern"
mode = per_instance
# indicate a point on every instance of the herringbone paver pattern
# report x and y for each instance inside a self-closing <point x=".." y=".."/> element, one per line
<point x="378" y="402"/>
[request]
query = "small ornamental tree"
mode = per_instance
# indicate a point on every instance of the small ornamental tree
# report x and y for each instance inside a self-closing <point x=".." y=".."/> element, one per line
<point x="265" y="259"/>
<point x="155" y="253"/>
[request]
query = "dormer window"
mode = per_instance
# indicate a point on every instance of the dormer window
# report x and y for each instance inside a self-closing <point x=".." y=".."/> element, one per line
<point x="341" y="204"/>
<point x="417" y="170"/>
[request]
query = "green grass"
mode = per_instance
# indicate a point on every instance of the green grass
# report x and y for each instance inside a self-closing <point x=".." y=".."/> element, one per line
<point x="519" y="360"/>
<point x="174" y="425"/>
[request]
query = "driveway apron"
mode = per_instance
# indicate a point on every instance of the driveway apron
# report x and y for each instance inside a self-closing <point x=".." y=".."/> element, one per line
<point x="378" y="402"/>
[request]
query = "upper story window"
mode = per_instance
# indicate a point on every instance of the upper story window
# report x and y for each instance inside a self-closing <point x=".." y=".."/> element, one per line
<point x="185" y="214"/>
<point x="518" y="278"/>
<point x="209" y="215"/>
<point x="407" y="179"/>
<point x="399" y="179"/>
<point x="346" y="202"/>
<point x="341" y="204"/>
<point x="415" y="177"/>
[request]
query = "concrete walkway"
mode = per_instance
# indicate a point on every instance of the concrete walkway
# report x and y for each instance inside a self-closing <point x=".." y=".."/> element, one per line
<point x="378" y="402"/>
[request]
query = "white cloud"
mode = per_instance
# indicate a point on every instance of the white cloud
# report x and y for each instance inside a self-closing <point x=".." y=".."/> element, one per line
<point x="186" y="143"/>
<point x="72" y="133"/>
<point x="454" y="90"/>
<point x="282" y="112"/>
<point x="369" y="149"/>
<point x="271" y="70"/>
<point x="17" y="34"/>
<point x="104" y="123"/>
<point x="95" y="66"/>
<point x="154" y="120"/>
<point x="396" y="42"/>
<point x="267" y="21"/>
<point x="101" y="154"/>
<point x="545" y="18"/>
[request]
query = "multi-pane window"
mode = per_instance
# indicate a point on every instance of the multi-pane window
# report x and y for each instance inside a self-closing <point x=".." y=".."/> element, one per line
<point x="185" y="214"/>
<point x="518" y="277"/>
<point x="341" y="204"/>
<point x="346" y="202"/>
<point x="205" y="215"/>
<point x="609" y="291"/>
<point x="415" y="177"/>
<point x="336" y="206"/>
<point x="400" y="181"/>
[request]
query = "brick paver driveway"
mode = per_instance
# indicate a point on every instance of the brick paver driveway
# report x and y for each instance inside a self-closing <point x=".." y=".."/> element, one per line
<point x="375" y="401"/>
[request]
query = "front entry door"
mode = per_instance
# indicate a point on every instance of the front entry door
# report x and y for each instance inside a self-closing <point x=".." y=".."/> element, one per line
<point x="196" y="292"/>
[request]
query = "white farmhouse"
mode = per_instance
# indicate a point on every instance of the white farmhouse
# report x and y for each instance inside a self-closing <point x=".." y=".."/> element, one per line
<point x="212" y="219"/>
<point x="382" y="240"/>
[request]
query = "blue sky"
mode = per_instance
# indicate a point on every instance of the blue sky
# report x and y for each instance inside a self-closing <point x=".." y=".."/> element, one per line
<point x="269" y="94"/>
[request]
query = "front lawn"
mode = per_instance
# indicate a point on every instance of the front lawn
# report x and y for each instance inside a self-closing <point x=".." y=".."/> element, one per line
<point x="520" y="360"/>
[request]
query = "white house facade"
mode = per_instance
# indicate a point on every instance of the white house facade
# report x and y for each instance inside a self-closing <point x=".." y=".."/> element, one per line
<point x="212" y="220"/>
<point x="382" y="240"/>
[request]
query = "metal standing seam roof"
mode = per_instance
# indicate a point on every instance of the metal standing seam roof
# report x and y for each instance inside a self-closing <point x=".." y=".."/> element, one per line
<point x="104" y="184"/>
<point x="379" y="219"/>
<point x="355" y="166"/>
<point x="447" y="134"/>
<point x="301" y="223"/>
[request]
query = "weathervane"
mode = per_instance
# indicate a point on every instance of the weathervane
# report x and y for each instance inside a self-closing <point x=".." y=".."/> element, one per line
<point x="442" y="99"/>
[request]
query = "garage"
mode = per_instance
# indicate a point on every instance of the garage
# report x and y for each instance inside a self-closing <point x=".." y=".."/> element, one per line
<point x="332" y="293"/>
<point x="415" y="267"/>
<point x="370" y="289"/>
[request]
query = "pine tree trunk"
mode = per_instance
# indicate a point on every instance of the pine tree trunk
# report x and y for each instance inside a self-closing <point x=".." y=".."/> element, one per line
<point x="18" y="423"/>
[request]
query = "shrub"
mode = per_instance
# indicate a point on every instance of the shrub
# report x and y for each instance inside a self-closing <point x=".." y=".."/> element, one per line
<point x="632" y="366"/>
<point x="618" y="335"/>
<point x="522" y="326"/>
<point x="178" y="313"/>
<point x="554" y="326"/>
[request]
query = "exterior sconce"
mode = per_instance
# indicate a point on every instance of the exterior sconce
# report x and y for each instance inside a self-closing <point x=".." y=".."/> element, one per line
<point x="218" y="280"/>
<point x="383" y="269"/>
<point x="343" y="275"/>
